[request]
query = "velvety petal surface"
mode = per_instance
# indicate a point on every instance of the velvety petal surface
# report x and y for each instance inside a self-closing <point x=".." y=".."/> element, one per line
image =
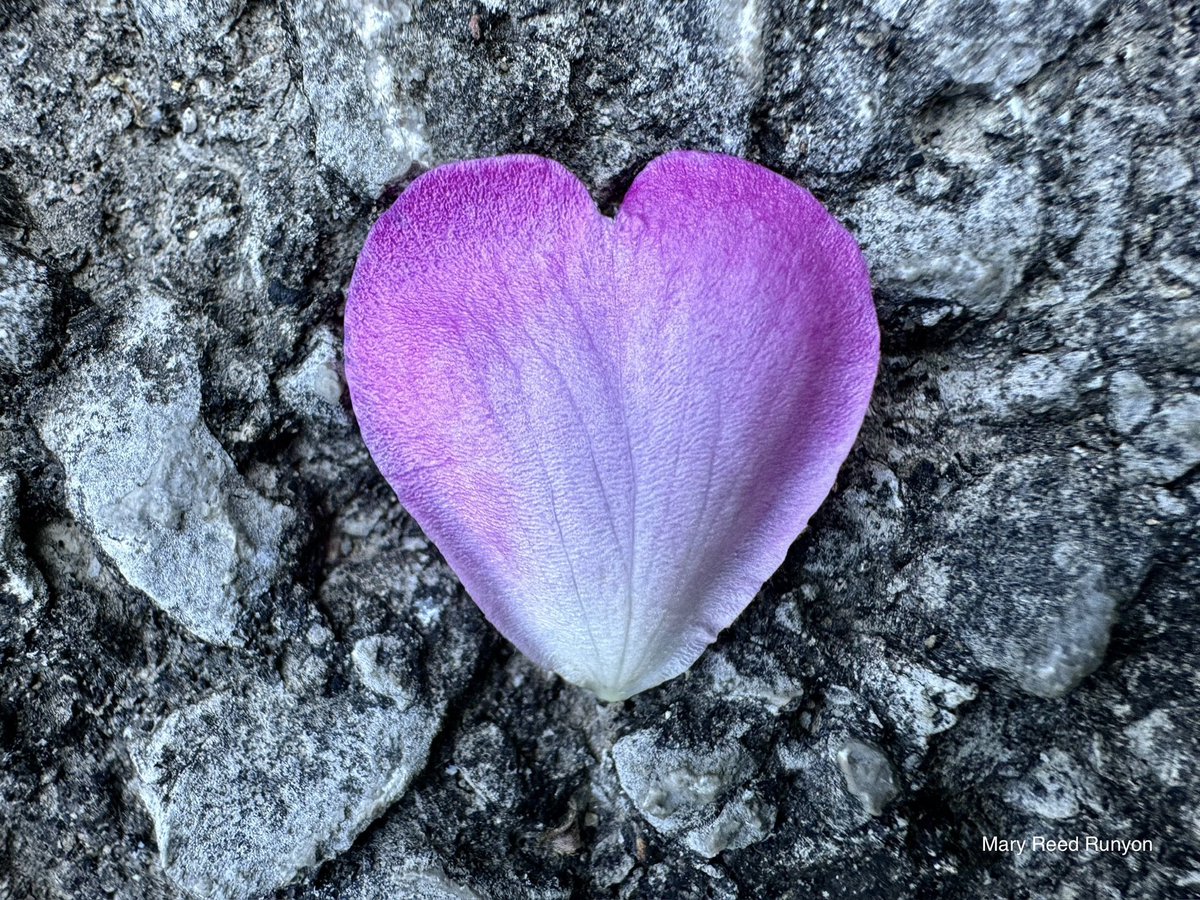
<point x="612" y="429"/>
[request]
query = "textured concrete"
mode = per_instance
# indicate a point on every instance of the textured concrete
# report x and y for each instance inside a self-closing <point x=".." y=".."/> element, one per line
<point x="232" y="667"/>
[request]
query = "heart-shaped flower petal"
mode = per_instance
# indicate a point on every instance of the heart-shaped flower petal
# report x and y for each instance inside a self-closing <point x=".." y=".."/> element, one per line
<point x="613" y="429"/>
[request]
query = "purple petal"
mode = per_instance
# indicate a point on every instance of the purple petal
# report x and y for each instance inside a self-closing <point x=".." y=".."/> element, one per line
<point x="613" y="430"/>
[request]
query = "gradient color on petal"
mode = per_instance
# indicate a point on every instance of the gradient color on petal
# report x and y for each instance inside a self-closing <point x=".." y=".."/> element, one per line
<point x="612" y="429"/>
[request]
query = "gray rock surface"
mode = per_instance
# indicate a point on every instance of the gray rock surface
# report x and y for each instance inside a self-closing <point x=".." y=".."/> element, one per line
<point x="360" y="76"/>
<point x="967" y="256"/>
<point x="248" y="790"/>
<point x="169" y="23"/>
<point x="26" y="301"/>
<point x="868" y="774"/>
<point x="232" y="665"/>
<point x="160" y="494"/>
<point x="22" y="590"/>
<point x="695" y="792"/>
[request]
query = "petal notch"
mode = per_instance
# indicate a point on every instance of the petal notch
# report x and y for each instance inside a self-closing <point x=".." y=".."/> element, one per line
<point x="613" y="429"/>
